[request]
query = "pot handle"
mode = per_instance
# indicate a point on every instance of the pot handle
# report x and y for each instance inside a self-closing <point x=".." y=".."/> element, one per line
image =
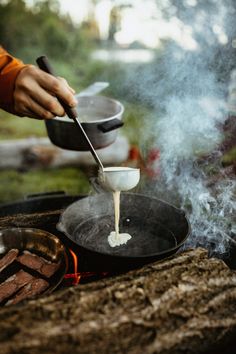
<point x="110" y="125"/>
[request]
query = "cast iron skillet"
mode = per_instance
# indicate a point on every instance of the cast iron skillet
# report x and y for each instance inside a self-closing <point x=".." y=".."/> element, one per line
<point x="158" y="229"/>
<point x="39" y="242"/>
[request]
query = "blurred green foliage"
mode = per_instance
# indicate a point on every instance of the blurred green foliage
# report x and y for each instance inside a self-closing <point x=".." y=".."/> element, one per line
<point x="16" y="185"/>
<point x="28" y="32"/>
<point x="12" y="127"/>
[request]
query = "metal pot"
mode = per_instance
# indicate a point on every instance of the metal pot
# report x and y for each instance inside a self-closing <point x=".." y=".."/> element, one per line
<point x="100" y="117"/>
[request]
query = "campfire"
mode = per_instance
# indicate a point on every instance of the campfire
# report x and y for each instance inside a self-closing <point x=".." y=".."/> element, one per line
<point x="184" y="303"/>
<point x="172" y="288"/>
<point x="139" y="305"/>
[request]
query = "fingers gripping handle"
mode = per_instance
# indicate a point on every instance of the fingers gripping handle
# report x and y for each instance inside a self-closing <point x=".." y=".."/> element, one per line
<point x="44" y="65"/>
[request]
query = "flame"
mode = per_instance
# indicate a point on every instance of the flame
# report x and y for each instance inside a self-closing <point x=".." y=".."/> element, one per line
<point x="76" y="276"/>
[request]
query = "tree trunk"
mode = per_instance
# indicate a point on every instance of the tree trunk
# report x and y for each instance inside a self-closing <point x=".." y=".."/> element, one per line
<point x="184" y="304"/>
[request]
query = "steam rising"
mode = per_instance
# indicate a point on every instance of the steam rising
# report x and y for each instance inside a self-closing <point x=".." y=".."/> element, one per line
<point x="186" y="87"/>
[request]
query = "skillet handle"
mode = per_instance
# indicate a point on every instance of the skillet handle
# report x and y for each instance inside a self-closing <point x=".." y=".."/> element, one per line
<point x="43" y="64"/>
<point x="46" y="194"/>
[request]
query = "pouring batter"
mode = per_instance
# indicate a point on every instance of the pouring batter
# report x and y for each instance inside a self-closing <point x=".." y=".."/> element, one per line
<point x="117" y="179"/>
<point x="116" y="238"/>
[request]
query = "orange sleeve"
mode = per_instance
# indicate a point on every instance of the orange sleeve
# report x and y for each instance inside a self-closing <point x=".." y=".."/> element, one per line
<point x="9" y="69"/>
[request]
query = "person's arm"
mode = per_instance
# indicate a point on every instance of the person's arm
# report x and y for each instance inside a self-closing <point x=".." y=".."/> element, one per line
<point x="25" y="90"/>
<point x="9" y="69"/>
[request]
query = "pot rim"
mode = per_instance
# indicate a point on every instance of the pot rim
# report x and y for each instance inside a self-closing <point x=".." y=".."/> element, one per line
<point x="118" y="115"/>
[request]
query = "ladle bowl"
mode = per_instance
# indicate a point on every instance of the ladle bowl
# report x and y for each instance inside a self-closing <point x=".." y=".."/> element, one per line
<point x="118" y="178"/>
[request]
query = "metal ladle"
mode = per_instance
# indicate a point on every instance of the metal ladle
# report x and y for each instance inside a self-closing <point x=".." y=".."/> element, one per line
<point x="112" y="178"/>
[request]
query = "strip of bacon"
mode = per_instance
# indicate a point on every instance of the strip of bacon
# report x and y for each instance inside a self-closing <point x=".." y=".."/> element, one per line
<point x="8" y="258"/>
<point x="10" y="286"/>
<point x="37" y="263"/>
<point x="35" y="287"/>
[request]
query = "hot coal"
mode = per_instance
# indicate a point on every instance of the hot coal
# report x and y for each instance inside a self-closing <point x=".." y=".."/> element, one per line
<point x="35" y="287"/>
<point x="39" y="264"/>
<point x="10" y="286"/>
<point x="8" y="258"/>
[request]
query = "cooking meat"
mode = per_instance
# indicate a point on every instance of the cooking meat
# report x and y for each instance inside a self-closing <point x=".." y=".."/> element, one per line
<point x="14" y="283"/>
<point x="35" y="287"/>
<point x="37" y="263"/>
<point x="9" y="258"/>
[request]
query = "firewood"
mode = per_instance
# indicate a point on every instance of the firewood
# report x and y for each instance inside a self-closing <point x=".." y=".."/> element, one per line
<point x="184" y="304"/>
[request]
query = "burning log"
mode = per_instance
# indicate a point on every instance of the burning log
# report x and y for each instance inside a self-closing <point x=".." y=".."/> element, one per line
<point x="185" y="304"/>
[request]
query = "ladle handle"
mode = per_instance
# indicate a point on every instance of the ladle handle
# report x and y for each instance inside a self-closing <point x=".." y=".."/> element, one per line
<point x="72" y="113"/>
<point x="44" y="65"/>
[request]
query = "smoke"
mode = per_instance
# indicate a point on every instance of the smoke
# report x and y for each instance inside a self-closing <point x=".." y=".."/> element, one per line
<point x="188" y="92"/>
